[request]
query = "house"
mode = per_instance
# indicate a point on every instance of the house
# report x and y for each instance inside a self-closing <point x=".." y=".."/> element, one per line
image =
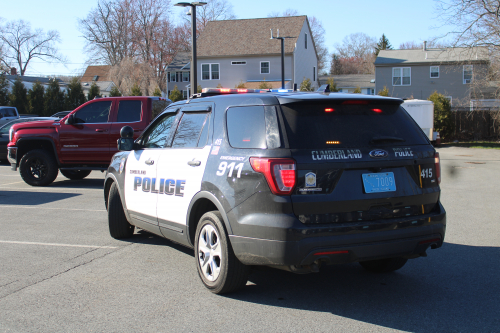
<point x="29" y="81"/>
<point x="418" y="73"/>
<point x="231" y="52"/>
<point x="349" y="82"/>
<point x="99" y="75"/>
<point x="178" y="73"/>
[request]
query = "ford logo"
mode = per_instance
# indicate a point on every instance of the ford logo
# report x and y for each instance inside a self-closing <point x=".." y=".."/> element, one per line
<point x="378" y="153"/>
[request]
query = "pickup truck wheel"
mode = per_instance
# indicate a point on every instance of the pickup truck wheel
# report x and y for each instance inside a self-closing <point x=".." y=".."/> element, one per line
<point x="75" y="174"/>
<point x="219" y="269"/>
<point x="119" y="227"/>
<point x="38" y="168"/>
<point x="383" y="265"/>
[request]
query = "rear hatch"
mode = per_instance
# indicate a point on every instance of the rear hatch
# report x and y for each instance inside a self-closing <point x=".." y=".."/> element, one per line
<point x="358" y="160"/>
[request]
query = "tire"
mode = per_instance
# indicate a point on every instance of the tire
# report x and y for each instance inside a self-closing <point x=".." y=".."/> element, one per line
<point x="383" y="265"/>
<point x="219" y="269"/>
<point x="75" y="174"/>
<point x="38" y="168"/>
<point x="119" y="227"/>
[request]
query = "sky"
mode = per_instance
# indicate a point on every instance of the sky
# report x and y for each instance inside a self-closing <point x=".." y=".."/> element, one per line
<point x="400" y="20"/>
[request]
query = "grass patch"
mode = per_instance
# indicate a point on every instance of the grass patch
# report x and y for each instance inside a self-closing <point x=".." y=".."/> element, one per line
<point x="474" y="144"/>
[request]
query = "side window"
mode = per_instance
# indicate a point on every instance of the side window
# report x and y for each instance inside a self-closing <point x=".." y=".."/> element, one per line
<point x="7" y="112"/>
<point x="189" y="130"/>
<point x="129" y="111"/>
<point x="159" y="105"/>
<point x="246" y="127"/>
<point x="158" y="133"/>
<point x="97" y="112"/>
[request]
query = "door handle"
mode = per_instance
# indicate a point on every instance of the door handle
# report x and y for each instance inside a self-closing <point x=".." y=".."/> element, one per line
<point x="194" y="163"/>
<point x="101" y="130"/>
<point x="149" y="161"/>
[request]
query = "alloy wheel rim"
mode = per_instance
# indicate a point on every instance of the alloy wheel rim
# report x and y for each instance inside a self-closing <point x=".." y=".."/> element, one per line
<point x="37" y="168"/>
<point x="209" y="253"/>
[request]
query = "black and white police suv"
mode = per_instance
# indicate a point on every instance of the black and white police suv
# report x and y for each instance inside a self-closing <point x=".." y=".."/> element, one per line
<point x="289" y="180"/>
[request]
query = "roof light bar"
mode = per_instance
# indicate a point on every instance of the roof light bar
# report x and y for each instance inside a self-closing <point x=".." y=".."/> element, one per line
<point x="217" y="91"/>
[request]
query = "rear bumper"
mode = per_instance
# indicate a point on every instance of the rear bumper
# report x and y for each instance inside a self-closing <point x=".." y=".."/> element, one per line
<point x="406" y="237"/>
<point x="12" y="157"/>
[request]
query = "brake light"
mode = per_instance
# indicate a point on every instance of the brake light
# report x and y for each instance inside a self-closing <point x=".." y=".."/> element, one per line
<point x="330" y="252"/>
<point x="377" y="110"/>
<point x="329" y="110"/>
<point x="354" y="102"/>
<point x="279" y="172"/>
<point x="437" y="162"/>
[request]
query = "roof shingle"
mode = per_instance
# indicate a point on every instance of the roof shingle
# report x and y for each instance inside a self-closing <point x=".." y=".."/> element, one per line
<point x="458" y="54"/>
<point x="101" y="72"/>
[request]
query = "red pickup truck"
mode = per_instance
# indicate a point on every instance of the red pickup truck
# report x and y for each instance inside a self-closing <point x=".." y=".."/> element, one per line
<point x="83" y="141"/>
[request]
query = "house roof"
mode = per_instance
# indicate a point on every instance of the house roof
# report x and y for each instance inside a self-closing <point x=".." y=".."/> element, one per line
<point x="100" y="71"/>
<point x="103" y="85"/>
<point x="351" y="80"/>
<point x="458" y="54"/>
<point x="42" y="80"/>
<point x="249" y="36"/>
<point x="180" y="62"/>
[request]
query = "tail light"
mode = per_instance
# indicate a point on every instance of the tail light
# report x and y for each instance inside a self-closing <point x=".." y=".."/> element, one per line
<point x="438" y="167"/>
<point x="279" y="173"/>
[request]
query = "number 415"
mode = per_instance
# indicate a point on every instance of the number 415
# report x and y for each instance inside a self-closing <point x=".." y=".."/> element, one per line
<point x="426" y="173"/>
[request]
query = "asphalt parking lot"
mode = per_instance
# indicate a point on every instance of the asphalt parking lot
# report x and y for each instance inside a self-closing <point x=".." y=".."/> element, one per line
<point x="60" y="271"/>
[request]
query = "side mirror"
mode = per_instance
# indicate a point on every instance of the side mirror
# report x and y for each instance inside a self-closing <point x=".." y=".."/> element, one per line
<point x="125" y="144"/>
<point x="127" y="132"/>
<point x="70" y="120"/>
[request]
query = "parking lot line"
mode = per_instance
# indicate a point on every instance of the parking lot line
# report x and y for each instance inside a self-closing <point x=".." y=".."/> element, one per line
<point x="12" y="183"/>
<point x="58" y="208"/>
<point x="55" y="244"/>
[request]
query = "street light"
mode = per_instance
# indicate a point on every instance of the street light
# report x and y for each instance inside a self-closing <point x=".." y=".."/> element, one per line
<point x="282" y="56"/>
<point x="194" y="83"/>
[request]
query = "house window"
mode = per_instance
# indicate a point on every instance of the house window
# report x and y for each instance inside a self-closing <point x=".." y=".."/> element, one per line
<point x="401" y="76"/>
<point x="171" y="77"/>
<point x="185" y="76"/>
<point x="264" y="67"/>
<point x="185" y="94"/>
<point x="305" y="41"/>
<point x="434" y="71"/>
<point x="210" y="72"/>
<point x="238" y="62"/>
<point x="467" y="74"/>
<point x="314" y="73"/>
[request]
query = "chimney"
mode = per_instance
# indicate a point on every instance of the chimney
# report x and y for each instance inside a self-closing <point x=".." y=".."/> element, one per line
<point x="13" y="71"/>
<point x="425" y="46"/>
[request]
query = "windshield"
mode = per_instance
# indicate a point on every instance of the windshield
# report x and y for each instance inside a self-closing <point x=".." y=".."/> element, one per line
<point x="322" y="124"/>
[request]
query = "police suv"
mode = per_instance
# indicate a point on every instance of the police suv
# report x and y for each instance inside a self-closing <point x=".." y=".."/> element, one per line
<point x="289" y="180"/>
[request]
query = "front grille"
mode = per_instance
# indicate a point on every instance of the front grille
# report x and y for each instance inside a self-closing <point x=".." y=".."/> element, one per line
<point x="373" y="214"/>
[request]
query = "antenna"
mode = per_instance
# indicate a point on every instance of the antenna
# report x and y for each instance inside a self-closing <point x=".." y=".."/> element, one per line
<point x="278" y="33"/>
<point x="271" y="33"/>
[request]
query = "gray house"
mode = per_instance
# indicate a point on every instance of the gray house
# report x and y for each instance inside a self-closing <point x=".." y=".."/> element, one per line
<point x="349" y="82"/>
<point x="418" y="73"/>
<point x="178" y="73"/>
<point x="241" y="51"/>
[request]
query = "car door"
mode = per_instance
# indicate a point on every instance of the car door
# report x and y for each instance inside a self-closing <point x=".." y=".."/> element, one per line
<point x="130" y="113"/>
<point x="182" y="167"/>
<point x="87" y="140"/>
<point x="142" y="184"/>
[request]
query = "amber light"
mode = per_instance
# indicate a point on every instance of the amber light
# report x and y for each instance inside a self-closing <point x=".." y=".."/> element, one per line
<point x="329" y="110"/>
<point x="225" y="90"/>
<point x="333" y="142"/>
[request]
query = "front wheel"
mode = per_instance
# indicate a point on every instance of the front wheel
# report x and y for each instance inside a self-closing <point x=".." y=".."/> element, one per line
<point x="119" y="227"/>
<point x="75" y="174"/>
<point x="383" y="265"/>
<point x="38" y="168"/>
<point x="219" y="269"/>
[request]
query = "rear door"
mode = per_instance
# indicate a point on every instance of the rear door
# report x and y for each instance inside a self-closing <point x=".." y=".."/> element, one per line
<point x="129" y="113"/>
<point x="358" y="161"/>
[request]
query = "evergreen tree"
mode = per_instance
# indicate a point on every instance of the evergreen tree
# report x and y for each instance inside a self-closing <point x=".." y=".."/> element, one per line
<point x="305" y="85"/>
<point x="115" y="92"/>
<point x="333" y="86"/>
<point x="384" y="92"/>
<point x="157" y="92"/>
<point x="443" y="117"/>
<point x="265" y="85"/>
<point x="74" y="95"/>
<point x="357" y="90"/>
<point x="383" y="44"/>
<point x="19" y="97"/>
<point x="136" y="90"/>
<point x="199" y="89"/>
<point x="4" y="91"/>
<point x="94" y="91"/>
<point x="336" y="67"/>
<point x="240" y="85"/>
<point x="175" y="95"/>
<point x="36" y="99"/>
<point x="53" y="99"/>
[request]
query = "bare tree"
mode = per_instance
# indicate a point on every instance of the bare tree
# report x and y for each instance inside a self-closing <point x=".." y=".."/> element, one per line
<point x="20" y="45"/>
<point x="215" y="10"/>
<point x="318" y="35"/>
<point x="355" y="55"/>
<point x="431" y="43"/>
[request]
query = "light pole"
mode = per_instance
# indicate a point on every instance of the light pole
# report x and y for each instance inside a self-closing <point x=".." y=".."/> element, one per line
<point x="282" y="56"/>
<point x="194" y="71"/>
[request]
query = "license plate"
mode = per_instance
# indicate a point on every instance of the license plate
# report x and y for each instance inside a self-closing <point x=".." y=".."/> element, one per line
<point x="379" y="182"/>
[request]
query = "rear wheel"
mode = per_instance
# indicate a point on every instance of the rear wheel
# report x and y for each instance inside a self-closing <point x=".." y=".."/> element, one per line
<point x="219" y="269"/>
<point x="38" y="168"/>
<point x="383" y="265"/>
<point x="75" y="174"/>
<point x="119" y="227"/>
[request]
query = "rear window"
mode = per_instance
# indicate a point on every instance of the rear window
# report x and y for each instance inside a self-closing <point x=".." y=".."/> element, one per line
<point x="129" y="111"/>
<point x="8" y="112"/>
<point x="323" y="124"/>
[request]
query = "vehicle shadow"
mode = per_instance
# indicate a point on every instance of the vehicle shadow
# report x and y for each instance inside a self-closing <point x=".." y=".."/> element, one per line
<point x="27" y="198"/>
<point x="82" y="183"/>
<point x="146" y="238"/>
<point x="455" y="289"/>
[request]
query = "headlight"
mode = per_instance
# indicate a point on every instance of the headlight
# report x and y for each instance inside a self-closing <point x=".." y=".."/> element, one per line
<point x="11" y="134"/>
